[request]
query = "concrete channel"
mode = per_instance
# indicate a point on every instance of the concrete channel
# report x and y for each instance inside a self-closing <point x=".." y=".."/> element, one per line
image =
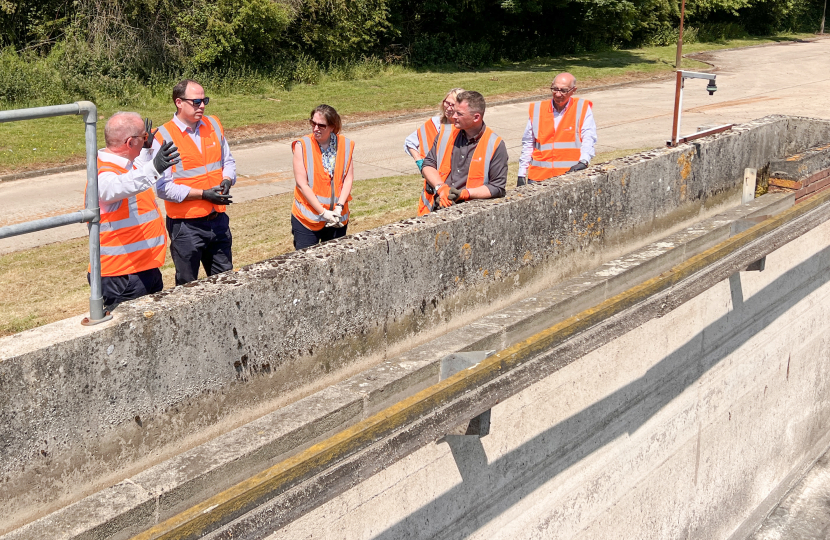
<point x="626" y="333"/>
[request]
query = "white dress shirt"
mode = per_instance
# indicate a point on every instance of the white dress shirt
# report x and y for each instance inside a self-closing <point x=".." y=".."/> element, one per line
<point x="114" y="187"/>
<point x="413" y="142"/>
<point x="588" y="134"/>
<point x="171" y="191"/>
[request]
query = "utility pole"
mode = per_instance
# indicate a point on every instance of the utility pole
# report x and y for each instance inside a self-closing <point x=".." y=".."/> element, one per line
<point x="680" y="34"/>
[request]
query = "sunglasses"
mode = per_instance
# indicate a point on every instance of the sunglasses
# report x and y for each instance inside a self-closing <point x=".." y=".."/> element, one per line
<point x="315" y="124"/>
<point x="197" y="102"/>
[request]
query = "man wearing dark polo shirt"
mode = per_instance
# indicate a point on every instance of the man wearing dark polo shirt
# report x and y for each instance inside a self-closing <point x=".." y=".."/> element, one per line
<point x="467" y="161"/>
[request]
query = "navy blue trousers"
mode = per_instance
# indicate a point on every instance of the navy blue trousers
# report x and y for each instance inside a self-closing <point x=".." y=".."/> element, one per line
<point x="206" y="241"/>
<point x="117" y="289"/>
<point x="305" y="237"/>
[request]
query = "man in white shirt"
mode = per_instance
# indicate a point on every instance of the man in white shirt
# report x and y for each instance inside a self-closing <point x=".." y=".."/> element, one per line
<point x="133" y="239"/>
<point x="196" y="190"/>
<point x="560" y="135"/>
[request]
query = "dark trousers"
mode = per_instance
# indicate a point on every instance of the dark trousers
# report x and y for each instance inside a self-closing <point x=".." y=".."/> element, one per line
<point x="205" y="241"/>
<point x="305" y="237"/>
<point x="117" y="289"/>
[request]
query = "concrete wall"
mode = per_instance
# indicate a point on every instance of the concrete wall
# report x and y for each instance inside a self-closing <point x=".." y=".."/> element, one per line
<point x="81" y="406"/>
<point x="679" y="429"/>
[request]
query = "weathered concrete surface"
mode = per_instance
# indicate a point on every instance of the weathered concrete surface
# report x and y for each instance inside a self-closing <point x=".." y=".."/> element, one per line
<point x="804" y="514"/>
<point x="678" y="429"/>
<point x="195" y="475"/>
<point x="99" y="400"/>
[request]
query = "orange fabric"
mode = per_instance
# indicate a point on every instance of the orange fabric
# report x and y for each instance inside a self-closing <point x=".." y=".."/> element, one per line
<point x="199" y="168"/>
<point x="426" y="136"/>
<point x="326" y="188"/>
<point x="478" y="174"/>
<point x="556" y="150"/>
<point x="133" y="236"/>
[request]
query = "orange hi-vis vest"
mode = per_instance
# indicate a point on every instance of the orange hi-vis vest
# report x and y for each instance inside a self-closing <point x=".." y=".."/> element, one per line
<point x="199" y="168"/>
<point x="555" y="150"/>
<point x="426" y="136"/>
<point x="479" y="173"/>
<point x="326" y="188"/>
<point x="133" y="236"/>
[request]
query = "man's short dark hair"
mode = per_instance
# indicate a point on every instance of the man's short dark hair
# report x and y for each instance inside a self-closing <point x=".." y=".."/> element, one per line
<point x="181" y="88"/>
<point x="474" y="100"/>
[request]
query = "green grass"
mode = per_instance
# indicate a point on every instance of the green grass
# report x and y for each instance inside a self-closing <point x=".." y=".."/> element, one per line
<point x="57" y="141"/>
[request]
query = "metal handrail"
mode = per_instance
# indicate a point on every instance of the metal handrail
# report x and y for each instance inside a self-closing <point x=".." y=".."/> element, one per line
<point x="91" y="213"/>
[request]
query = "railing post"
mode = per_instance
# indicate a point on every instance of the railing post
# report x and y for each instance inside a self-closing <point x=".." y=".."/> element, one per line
<point x="96" y="299"/>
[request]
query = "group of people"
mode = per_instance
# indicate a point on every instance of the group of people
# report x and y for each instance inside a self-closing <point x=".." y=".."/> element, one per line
<point x="189" y="163"/>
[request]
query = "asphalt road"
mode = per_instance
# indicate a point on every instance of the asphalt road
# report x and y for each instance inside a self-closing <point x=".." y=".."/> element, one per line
<point x="789" y="78"/>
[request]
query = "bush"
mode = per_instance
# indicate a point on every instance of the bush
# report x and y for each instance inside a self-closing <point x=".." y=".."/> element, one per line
<point x="438" y="51"/>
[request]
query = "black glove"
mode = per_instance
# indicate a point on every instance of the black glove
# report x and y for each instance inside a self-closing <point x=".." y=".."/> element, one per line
<point x="578" y="167"/>
<point x="166" y="157"/>
<point x="520" y="181"/>
<point x="214" y="195"/>
<point x="226" y="186"/>
<point x="151" y="133"/>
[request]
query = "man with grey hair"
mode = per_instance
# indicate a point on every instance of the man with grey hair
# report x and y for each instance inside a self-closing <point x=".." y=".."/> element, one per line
<point x="467" y="161"/>
<point x="560" y="135"/>
<point x="133" y="239"/>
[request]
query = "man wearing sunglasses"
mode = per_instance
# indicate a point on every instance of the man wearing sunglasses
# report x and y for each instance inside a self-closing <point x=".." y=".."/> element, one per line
<point x="196" y="191"/>
<point x="132" y="232"/>
<point x="560" y="135"/>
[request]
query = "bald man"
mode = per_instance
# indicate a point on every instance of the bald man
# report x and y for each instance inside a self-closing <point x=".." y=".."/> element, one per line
<point x="560" y="135"/>
<point x="133" y="238"/>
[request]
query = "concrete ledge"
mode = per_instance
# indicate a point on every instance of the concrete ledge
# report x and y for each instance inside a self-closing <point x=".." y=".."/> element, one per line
<point x="189" y="478"/>
<point x="803" y="164"/>
<point x="79" y="406"/>
<point x="319" y="473"/>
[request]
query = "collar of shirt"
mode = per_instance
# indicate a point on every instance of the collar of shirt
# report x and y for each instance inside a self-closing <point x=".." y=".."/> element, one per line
<point x="475" y="139"/>
<point x="184" y="127"/>
<point x="109" y="157"/>
<point x="565" y="108"/>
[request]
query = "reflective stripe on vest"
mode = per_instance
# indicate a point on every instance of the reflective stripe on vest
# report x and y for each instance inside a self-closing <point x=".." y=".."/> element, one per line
<point x="479" y="172"/>
<point x="555" y="149"/>
<point x="200" y="168"/>
<point x="133" y="235"/>
<point x="326" y="188"/>
<point x="426" y="137"/>
<point x="126" y="249"/>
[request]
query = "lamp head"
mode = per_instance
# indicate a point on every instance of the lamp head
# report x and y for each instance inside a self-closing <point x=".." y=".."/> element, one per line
<point x="712" y="87"/>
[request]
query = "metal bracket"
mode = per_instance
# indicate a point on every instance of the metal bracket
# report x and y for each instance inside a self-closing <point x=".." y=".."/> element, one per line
<point x="452" y="364"/>
<point x="740" y="226"/>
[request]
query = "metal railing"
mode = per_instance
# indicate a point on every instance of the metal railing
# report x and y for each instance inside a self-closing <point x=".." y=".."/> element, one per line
<point x="91" y="213"/>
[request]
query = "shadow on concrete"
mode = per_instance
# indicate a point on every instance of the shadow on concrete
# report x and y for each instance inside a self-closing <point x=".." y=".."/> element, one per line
<point x="489" y="489"/>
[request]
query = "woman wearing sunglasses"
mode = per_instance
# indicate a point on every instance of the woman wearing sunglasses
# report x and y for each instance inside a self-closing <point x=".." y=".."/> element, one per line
<point x="420" y="141"/>
<point x="323" y="173"/>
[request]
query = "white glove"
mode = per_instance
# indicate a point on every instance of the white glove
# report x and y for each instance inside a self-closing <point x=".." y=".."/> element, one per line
<point x="330" y="218"/>
<point x="338" y="212"/>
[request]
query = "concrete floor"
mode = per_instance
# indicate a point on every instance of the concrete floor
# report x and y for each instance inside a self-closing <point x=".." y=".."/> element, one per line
<point x="789" y="78"/>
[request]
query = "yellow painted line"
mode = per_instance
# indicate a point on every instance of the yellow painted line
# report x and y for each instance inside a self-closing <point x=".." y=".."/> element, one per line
<point x="195" y="521"/>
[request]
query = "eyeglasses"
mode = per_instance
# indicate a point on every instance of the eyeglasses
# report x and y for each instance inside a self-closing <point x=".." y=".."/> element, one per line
<point x="556" y="90"/>
<point x="197" y="102"/>
<point x="448" y="104"/>
<point x="315" y="124"/>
